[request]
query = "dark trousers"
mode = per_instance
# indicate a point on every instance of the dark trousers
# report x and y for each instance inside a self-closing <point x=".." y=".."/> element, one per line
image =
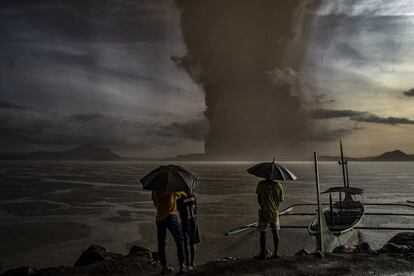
<point x="171" y="223"/>
<point x="186" y="244"/>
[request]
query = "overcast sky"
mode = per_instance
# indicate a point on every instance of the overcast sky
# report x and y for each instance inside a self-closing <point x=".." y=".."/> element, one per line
<point x="360" y="60"/>
<point x="100" y="72"/>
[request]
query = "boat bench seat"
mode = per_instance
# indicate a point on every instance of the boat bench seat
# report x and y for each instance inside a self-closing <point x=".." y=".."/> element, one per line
<point x="343" y="218"/>
<point x="347" y="205"/>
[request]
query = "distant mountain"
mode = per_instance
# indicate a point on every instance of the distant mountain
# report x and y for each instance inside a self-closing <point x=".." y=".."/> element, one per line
<point x="190" y="157"/>
<point x="395" y="155"/>
<point x="91" y="152"/>
<point x="84" y="152"/>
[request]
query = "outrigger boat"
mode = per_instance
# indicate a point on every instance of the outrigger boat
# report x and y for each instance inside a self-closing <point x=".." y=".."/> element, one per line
<point x="338" y="224"/>
<point x="335" y="226"/>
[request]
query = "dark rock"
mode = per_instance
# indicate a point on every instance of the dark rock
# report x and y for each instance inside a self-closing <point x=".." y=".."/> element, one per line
<point x="394" y="248"/>
<point x="340" y="249"/>
<point x="400" y="243"/>
<point x="20" y="271"/>
<point x="94" y="254"/>
<point x="226" y="259"/>
<point x="404" y="238"/>
<point x="302" y="252"/>
<point x="363" y="247"/>
<point x="155" y="256"/>
<point x="138" y="251"/>
<point x="319" y="254"/>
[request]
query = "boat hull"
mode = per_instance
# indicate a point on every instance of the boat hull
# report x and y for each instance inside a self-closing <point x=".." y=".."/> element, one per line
<point x="347" y="237"/>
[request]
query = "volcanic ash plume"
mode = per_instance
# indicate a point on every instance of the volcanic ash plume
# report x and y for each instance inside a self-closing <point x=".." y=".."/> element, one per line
<point x="245" y="55"/>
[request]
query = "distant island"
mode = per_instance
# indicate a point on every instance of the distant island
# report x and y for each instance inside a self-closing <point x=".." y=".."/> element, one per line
<point x="395" y="155"/>
<point x="92" y="153"/>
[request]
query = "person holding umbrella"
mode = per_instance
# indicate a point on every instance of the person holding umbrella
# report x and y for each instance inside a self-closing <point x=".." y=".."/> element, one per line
<point x="269" y="196"/>
<point x="167" y="184"/>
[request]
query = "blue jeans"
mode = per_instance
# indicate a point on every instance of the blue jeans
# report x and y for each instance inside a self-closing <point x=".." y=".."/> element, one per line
<point x="171" y="223"/>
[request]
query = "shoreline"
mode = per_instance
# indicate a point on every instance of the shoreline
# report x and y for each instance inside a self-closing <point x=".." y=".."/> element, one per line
<point x="397" y="256"/>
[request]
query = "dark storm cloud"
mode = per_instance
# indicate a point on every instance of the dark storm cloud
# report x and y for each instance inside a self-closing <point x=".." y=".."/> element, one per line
<point x="95" y="71"/>
<point x="347" y="51"/>
<point x="80" y="58"/>
<point x="330" y="113"/>
<point x="371" y="118"/>
<point x="359" y="38"/>
<point x="22" y="126"/>
<point x="43" y="128"/>
<point x="346" y="25"/>
<point x="358" y="116"/>
<point x="18" y="133"/>
<point x="59" y="33"/>
<point x="10" y="105"/>
<point x="88" y="20"/>
<point x="348" y="31"/>
<point x="195" y="129"/>
<point x="330" y="135"/>
<point x="409" y="93"/>
<point x="86" y="117"/>
<point x="322" y="99"/>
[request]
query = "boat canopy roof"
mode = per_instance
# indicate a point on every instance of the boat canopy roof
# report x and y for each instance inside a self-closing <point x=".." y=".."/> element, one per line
<point x="348" y="190"/>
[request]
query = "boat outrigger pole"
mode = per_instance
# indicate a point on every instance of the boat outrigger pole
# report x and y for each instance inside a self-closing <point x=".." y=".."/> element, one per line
<point x="336" y="226"/>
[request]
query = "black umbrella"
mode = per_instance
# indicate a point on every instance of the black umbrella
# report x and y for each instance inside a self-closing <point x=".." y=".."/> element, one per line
<point x="272" y="171"/>
<point x="169" y="179"/>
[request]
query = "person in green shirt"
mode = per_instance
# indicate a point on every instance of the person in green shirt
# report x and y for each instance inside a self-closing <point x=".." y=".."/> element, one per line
<point x="269" y="195"/>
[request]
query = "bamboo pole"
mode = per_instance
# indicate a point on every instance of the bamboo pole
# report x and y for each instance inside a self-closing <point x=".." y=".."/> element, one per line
<point x="342" y="163"/>
<point x="331" y="209"/>
<point x="347" y="175"/>
<point x="320" y="212"/>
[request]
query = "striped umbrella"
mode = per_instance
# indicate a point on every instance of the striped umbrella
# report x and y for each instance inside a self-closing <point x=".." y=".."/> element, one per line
<point x="272" y="171"/>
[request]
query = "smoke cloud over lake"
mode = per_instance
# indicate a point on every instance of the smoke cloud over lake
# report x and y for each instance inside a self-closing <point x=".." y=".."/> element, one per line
<point x="241" y="53"/>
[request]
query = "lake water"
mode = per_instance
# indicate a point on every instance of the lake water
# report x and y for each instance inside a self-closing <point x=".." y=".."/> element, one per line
<point x="51" y="211"/>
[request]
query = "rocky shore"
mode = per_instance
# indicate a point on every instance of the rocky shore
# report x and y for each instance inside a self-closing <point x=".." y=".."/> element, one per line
<point x="395" y="258"/>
